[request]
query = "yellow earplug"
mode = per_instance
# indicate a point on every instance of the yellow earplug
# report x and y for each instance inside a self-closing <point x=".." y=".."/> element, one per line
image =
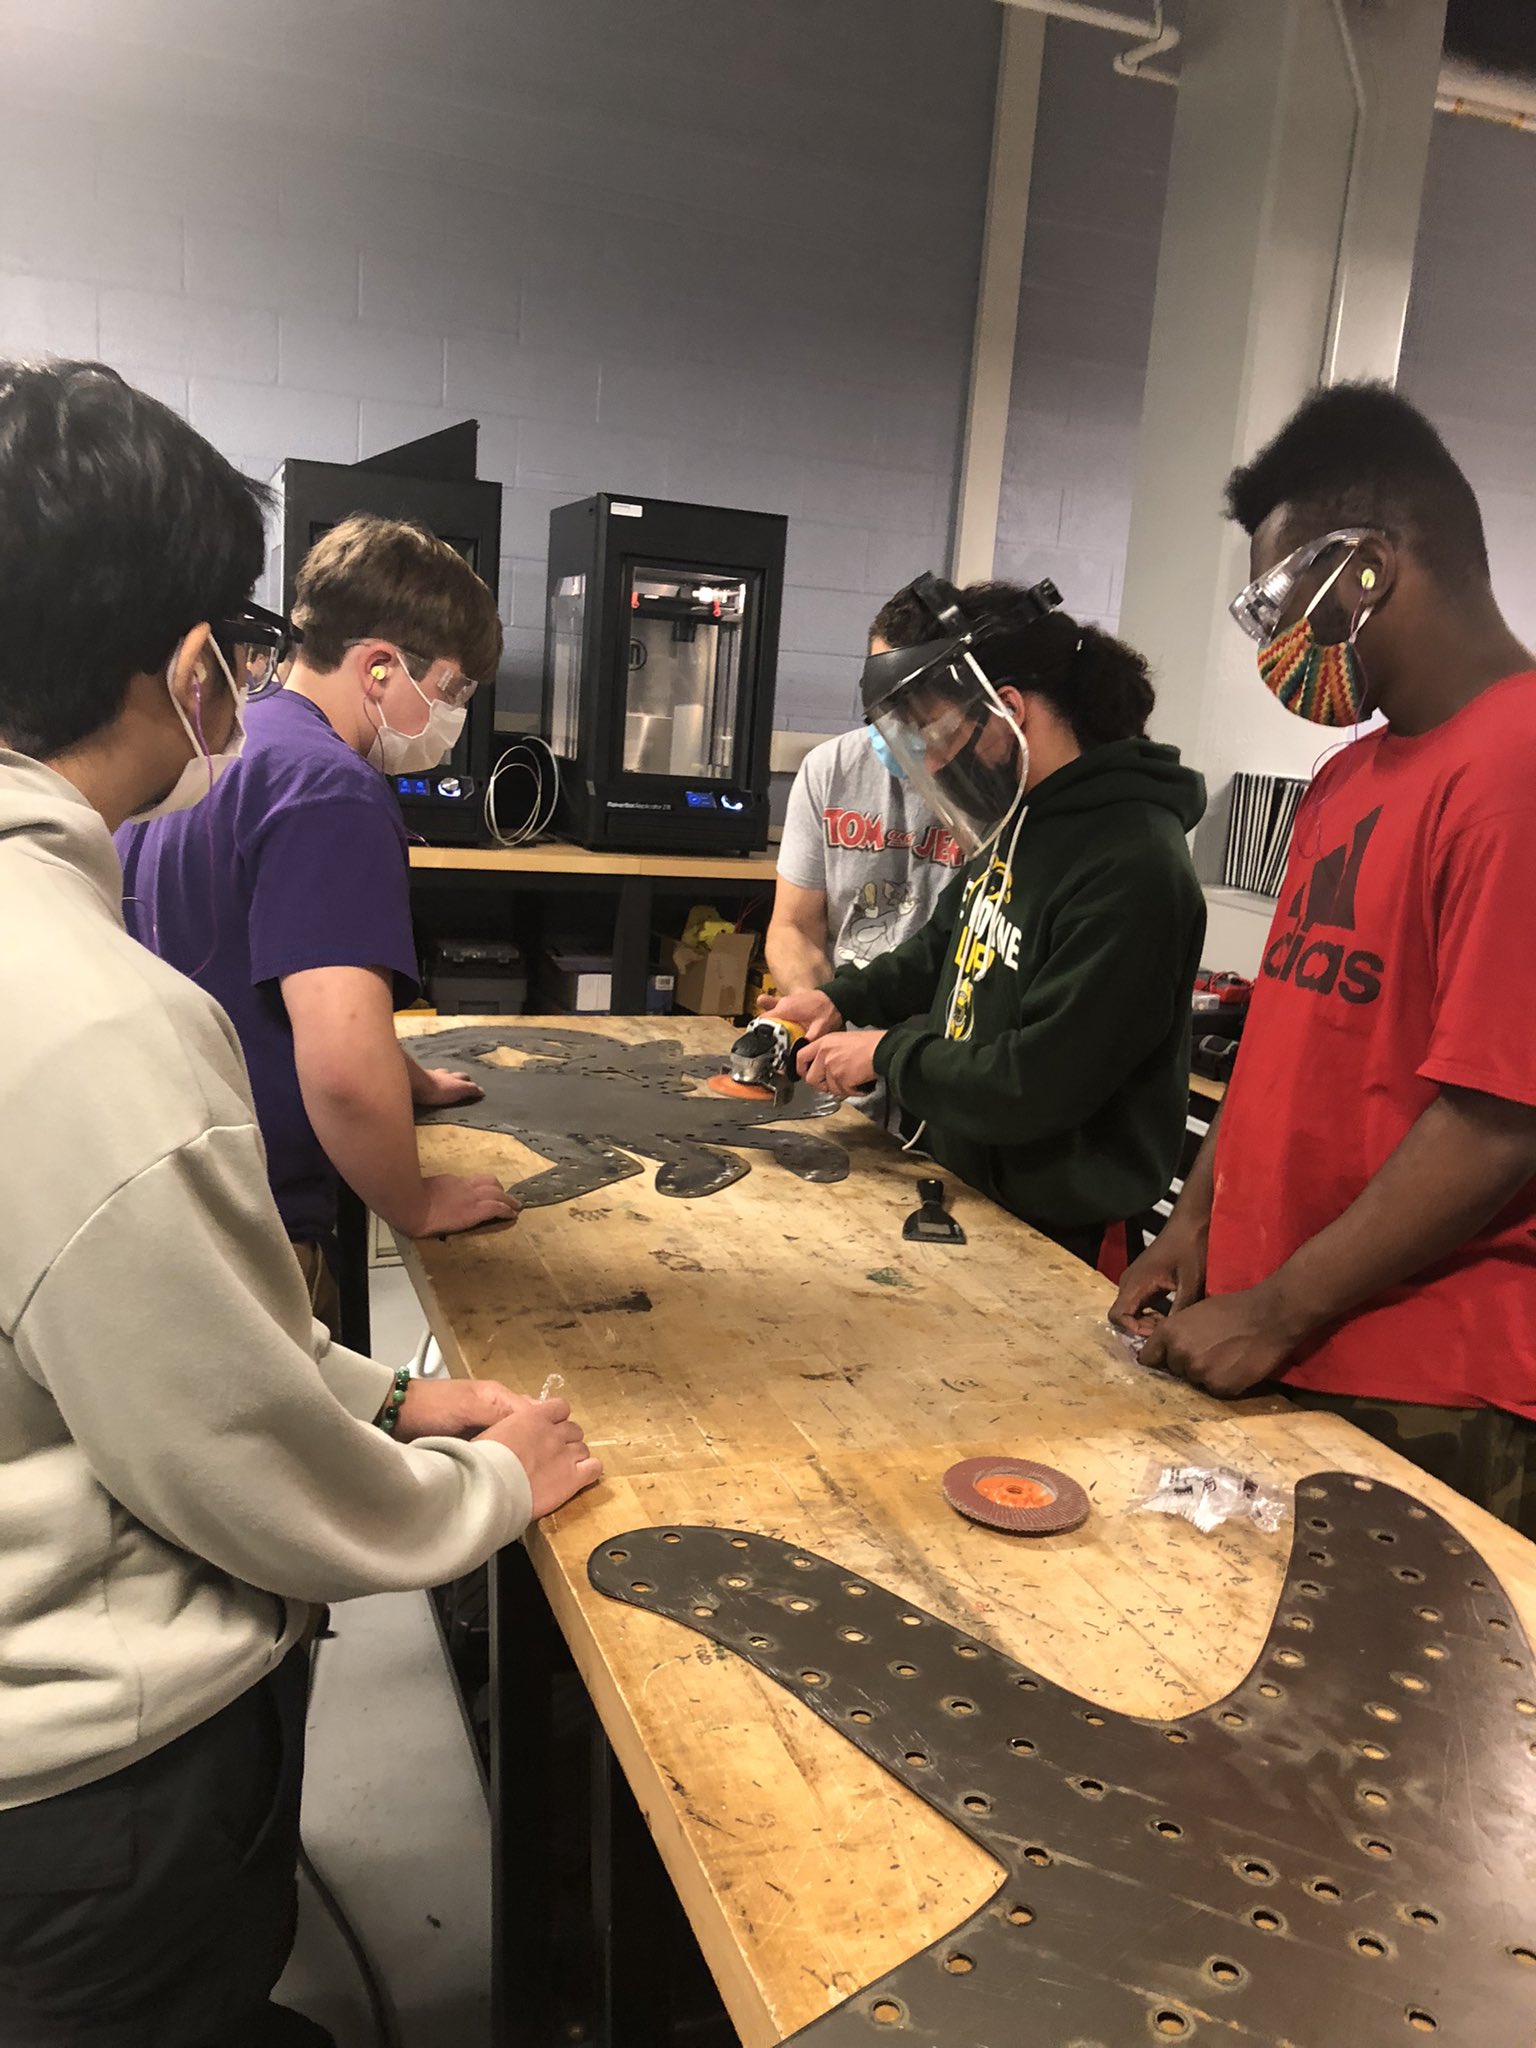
<point x="1367" y="579"/>
<point x="380" y="670"/>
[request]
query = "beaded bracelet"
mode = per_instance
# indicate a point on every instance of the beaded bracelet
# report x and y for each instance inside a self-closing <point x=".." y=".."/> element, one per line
<point x="389" y="1414"/>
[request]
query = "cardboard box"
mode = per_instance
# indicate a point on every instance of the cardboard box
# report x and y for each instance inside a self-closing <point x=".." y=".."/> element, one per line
<point x="579" y="982"/>
<point x="712" y="982"/>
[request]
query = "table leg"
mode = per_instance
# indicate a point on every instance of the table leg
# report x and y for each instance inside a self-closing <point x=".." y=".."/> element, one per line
<point x="634" y="1913"/>
<point x="352" y="1271"/>
<point x="632" y="946"/>
<point x="527" y="1654"/>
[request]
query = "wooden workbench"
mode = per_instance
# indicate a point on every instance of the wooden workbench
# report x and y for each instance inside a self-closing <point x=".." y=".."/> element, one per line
<point x="802" y="1371"/>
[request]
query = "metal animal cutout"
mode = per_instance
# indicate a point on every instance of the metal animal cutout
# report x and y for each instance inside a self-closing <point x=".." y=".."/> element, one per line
<point x="1341" y="1851"/>
<point x="587" y="1103"/>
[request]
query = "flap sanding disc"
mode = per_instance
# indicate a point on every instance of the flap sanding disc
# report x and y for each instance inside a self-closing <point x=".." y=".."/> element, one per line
<point x="1017" y="1495"/>
<point x="722" y="1084"/>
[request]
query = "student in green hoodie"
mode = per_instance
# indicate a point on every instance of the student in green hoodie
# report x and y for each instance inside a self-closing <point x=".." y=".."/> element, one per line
<point x="1038" y="1025"/>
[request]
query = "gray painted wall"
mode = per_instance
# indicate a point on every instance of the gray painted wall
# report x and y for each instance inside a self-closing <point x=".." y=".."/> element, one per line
<point x="1469" y="354"/>
<point x="1085" y="320"/>
<point x="1101" y="166"/>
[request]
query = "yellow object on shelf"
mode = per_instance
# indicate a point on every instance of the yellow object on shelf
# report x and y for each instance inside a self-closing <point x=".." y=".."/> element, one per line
<point x="704" y="926"/>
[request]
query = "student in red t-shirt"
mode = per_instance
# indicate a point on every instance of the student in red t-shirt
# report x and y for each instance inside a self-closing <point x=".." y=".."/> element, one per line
<point x="1361" y="1222"/>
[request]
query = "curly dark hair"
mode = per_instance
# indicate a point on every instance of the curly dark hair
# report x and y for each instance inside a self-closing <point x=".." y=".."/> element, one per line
<point x="120" y="529"/>
<point x="1097" y="684"/>
<point x="1358" y="455"/>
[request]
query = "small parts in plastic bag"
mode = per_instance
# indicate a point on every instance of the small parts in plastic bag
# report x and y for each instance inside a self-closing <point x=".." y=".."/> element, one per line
<point x="1208" y="1495"/>
<point x="1128" y="1340"/>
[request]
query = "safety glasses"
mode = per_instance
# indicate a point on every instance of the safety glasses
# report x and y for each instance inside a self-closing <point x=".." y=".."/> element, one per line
<point x="1259" y="607"/>
<point x="253" y="645"/>
<point x="454" y="689"/>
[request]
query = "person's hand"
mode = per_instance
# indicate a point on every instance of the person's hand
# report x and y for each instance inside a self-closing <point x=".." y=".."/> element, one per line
<point x="441" y="1088"/>
<point x="461" y="1201"/>
<point x="809" y="1007"/>
<point x="550" y="1447"/>
<point x="451" y="1408"/>
<point x="841" y="1064"/>
<point x="1173" y="1264"/>
<point x="1226" y="1345"/>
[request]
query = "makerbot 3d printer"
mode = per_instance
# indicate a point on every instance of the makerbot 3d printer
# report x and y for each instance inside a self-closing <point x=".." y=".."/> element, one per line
<point x="663" y="633"/>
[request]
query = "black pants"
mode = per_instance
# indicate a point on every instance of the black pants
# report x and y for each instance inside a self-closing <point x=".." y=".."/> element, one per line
<point x="155" y="1909"/>
<point x="1082" y="1240"/>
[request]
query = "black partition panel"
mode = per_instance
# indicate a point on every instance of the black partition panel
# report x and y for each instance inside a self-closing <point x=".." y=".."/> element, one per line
<point x="443" y="806"/>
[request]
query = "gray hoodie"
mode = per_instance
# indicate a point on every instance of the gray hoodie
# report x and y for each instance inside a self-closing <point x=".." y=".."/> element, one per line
<point x="186" y="1463"/>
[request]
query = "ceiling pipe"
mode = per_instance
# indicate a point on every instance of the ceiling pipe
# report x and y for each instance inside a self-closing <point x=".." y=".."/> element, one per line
<point x="1136" y="63"/>
<point x="1335" y="327"/>
<point x="1486" y="95"/>
<point x="1462" y="88"/>
<point x="1152" y="38"/>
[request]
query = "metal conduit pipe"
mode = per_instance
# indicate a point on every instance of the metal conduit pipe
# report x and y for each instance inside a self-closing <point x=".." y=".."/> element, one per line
<point x="1351" y="187"/>
<point x="1478" y="96"/>
<point x="1099" y="17"/>
<point x="1154" y="39"/>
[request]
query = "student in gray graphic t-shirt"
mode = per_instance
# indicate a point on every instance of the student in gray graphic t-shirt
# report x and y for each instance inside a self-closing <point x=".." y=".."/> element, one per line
<point x="861" y="864"/>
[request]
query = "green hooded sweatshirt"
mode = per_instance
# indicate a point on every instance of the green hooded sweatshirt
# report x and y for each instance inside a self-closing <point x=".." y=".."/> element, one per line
<point x="1060" y="1085"/>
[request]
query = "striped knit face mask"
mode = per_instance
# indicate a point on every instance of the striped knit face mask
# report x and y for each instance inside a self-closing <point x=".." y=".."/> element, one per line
<point x="1321" y="682"/>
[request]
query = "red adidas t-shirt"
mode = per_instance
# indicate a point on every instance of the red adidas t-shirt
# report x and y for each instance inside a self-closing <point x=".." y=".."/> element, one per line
<point x="1402" y="956"/>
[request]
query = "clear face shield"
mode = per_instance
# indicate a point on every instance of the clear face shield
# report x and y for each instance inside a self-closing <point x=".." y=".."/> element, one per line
<point x="944" y="722"/>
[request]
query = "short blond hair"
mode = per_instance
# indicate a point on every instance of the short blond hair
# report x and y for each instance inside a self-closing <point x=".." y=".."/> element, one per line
<point x="385" y="578"/>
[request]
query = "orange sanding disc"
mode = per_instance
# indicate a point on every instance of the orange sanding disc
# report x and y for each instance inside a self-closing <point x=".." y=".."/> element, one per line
<point x="724" y="1085"/>
<point x="1017" y="1495"/>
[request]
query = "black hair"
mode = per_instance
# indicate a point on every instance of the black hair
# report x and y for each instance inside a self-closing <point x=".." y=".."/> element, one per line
<point x="907" y="620"/>
<point x="121" y="528"/>
<point x="1095" y="683"/>
<point x="1358" y="455"/>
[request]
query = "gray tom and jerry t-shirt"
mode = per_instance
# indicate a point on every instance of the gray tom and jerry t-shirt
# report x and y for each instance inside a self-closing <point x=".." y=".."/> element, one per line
<point x="880" y="854"/>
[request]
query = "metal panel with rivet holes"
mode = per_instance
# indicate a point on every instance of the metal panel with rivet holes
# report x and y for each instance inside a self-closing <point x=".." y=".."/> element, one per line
<point x="1343" y="1850"/>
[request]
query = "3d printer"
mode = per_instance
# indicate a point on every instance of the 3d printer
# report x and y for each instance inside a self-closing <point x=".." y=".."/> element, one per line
<point x="663" y="633"/>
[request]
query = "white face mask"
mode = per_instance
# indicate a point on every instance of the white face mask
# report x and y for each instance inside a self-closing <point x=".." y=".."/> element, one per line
<point x="408" y="753"/>
<point x="205" y="767"/>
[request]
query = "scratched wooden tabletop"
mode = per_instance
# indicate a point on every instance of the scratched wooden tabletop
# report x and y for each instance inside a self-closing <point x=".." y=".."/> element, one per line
<point x="775" y="1357"/>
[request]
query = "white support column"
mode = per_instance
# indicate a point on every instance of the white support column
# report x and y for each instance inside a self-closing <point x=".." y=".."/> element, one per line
<point x="1020" y="56"/>
<point x="1286" y="258"/>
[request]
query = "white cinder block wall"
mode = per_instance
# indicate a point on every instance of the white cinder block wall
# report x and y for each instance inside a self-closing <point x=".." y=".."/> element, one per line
<point x="708" y="249"/>
<point x="1096" y="201"/>
<point x="1085" y="322"/>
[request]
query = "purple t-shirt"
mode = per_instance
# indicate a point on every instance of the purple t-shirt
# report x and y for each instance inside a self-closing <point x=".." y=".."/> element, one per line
<point x="296" y="859"/>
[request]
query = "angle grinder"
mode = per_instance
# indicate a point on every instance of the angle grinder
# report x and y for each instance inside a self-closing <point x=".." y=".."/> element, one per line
<point x="761" y="1065"/>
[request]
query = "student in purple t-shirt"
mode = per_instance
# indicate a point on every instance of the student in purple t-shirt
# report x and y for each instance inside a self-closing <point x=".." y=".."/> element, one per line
<point x="285" y="894"/>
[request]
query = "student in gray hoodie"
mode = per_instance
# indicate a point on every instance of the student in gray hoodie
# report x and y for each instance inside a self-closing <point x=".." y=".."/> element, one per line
<point x="188" y="1467"/>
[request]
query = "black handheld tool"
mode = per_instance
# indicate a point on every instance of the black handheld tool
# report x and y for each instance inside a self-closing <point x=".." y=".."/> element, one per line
<point x="932" y="1223"/>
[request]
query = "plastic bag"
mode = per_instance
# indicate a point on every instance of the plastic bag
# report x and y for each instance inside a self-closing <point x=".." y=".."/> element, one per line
<point x="1208" y="1495"/>
<point x="1129" y="1341"/>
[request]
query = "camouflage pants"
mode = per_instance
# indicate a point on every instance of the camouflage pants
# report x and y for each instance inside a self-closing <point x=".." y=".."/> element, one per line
<point x="1485" y="1453"/>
